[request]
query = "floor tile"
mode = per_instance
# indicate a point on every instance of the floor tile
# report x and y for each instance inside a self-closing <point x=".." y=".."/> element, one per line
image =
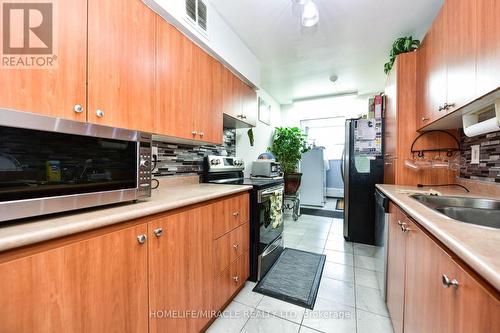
<point x="369" y="299"/>
<point x="262" y="322"/>
<point x="339" y="257"/>
<point x="233" y="318"/>
<point x="337" y="291"/>
<point x="339" y="272"/>
<point x="369" y="263"/>
<point x="281" y="309"/>
<point x="328" y="316"/>
<point x="247" y="296"/>
<point x="307" y="248"/>
<point x="312" y="241"/>
<point x="365" y="250"/>
<point x="364" y="277"/>
<point x="304" y="329"/>
<point x="337" y="243"/>
<point x="371" y="323"/>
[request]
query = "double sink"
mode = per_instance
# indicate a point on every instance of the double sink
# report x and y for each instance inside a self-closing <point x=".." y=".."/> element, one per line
<point x="483" y="212"/>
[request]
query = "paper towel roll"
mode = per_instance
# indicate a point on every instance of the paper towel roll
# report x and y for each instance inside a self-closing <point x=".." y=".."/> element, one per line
<point x="487" y="126"/>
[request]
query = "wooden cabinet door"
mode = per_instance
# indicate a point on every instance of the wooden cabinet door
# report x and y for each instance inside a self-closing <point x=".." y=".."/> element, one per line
<point x="432" y="72"/>
<point x="55" y="91"/>
<point x="95" y="285"/>
<point x="174" y="81"/>
<point x="488" y="46"/>
<point x="396" y="261"/>
<point x="476" y="310"/>
<point x="229" y="98"/>
<point x="249" y="107"/>
<point x="208" y="94"/>
<point x="461" y="52"/>
<point x="428" y="306"/>
<point x="181" y="270"/>
<point x="121" y="62"/>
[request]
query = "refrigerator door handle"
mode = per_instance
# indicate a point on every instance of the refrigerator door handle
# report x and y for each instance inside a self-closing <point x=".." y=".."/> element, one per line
<point x="342" y="164"/>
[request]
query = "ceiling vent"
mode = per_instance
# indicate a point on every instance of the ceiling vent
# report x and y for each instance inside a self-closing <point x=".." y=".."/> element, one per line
<point x="197" y="14"/>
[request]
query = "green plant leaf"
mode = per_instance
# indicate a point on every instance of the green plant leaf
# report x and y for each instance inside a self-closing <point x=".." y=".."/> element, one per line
<point x="289" y="143"/>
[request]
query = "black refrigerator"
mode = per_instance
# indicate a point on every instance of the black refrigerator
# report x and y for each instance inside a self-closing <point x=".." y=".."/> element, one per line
<point x="362" y="169"/>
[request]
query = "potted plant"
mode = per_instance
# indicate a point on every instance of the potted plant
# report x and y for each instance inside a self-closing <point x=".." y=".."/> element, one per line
<point x="289" y="143"/>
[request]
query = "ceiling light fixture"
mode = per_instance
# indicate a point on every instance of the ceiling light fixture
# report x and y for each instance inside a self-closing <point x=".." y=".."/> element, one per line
<point x="310" y="14"/>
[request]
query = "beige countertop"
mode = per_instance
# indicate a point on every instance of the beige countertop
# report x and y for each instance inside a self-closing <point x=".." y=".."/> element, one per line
<point x="477" y="246"/>
<point x="166" y="197"/>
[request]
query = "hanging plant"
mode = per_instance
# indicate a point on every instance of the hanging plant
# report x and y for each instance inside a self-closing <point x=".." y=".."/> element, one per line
<point x="401" y="45"/>
<point x="250" y="136"/>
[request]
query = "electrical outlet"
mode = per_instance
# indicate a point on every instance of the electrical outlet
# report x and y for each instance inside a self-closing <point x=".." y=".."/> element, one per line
<point x="475" y="153"/>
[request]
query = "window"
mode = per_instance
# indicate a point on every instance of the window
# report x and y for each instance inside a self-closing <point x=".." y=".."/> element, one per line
<point x="328" y="133"/>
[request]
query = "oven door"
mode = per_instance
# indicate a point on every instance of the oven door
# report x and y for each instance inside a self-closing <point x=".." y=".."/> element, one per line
<point x="270" y="206"/>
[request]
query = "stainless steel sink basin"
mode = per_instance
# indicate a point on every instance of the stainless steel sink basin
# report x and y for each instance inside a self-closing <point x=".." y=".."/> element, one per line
<point x="484" y="212"/>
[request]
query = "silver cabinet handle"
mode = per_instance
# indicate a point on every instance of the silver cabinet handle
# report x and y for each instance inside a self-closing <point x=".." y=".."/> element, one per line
<point x="235" y="246"/>
<point x="405" y="228"/>
<point x="425" y="118"/>
<point x="236" y="214"/>
<point x="158" y="232"/>
<point x="142" y="239"/>
<point x="242" y="116"/>
<point x="400" y="223"/>
<point x="388" y="163"/>
<point x="78" y="108"/>
<point x="202" y="134"/>
<point x="236" y="278"/>
<point x="447" y="106"/>
<point x="99" y="113"/>
<point x="441" y="108"/>
<point x="194" y="133"/>
<point x="447" y="282"/>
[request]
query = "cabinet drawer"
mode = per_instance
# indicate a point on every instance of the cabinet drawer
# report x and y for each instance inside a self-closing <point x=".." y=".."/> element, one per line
<point x="231" y="246"/>
<point x="230" y="280"/>
<point x="230" y="213"/>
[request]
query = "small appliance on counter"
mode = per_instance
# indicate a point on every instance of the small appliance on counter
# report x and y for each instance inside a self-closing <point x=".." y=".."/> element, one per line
<point x="266" y="218"/>
<point x="266" y="168"/>
<point x="50" y="165"/>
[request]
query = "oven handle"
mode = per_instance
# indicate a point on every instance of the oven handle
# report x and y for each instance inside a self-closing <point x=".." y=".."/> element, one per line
<point x="270" y="192"/>
<point x="272" y="247"/>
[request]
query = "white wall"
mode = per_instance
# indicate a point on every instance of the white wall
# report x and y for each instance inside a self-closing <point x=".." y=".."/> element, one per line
<point x="262" y="135"/>
<point x="348" y="106"/>
<point x="222" y="41"/>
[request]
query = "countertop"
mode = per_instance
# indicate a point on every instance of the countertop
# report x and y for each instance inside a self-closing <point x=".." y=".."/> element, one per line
<point x="26" y="232"/>
<point x="475" y="245"/>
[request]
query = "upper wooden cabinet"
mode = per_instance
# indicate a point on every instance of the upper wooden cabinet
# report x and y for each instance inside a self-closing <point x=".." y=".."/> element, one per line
<point x="460" y="52"/>
<point x="488" y="46"/>
<point x="188" y="85"/>
<point x="239" y="101"/>
<point x="98" y="284"/>
<point x="121" y="62"/>
<point x="54" y="92"/>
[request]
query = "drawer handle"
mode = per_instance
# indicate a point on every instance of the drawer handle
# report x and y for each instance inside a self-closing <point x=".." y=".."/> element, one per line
<point x="425" y="118"/>
<point x="235" y="246"/>
<point x="400" y="223"/>
<point x="142" y="239"/>
<point x="158" y="232"/>
<point x="447" y="282"/>
<point x="99" y="113"/>
<point x="236" y="214"/>
<point x="236" y="279"/>
<point x="405" y="228"/>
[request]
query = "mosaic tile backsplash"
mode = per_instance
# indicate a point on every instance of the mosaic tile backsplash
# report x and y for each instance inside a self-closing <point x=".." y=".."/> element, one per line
<point x="488" y="168"/>
<point x="180" y="159"/>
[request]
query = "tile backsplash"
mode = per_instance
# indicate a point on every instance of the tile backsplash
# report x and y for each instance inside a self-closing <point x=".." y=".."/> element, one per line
<point x="182" y="159"/>
<point x="488" y="168"/>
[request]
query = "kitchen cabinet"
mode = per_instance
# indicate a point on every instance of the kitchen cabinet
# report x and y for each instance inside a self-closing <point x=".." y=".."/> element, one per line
<point x="239" y="100"/>
<point x="432" y="72"/>
<point x="396" y="259"/>
<point x="488" y="46"/>
<point x="189" y="88"/>
<point x="230" y="247"/>
<point x="429" y="289"/>
<point x="121" y="62"/>
<point x="231" y="213"/>
<point x="98" y="284"/>
<point x="181" y="267"/>
<point x="460" y="52"/>
<point x="59" y="91"/>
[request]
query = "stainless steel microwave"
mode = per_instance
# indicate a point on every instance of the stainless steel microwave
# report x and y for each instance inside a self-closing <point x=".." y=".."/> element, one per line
<point x="50" y="165"/>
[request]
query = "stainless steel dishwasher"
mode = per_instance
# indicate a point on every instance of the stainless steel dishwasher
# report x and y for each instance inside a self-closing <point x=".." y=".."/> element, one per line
<point x="381" y="235"/>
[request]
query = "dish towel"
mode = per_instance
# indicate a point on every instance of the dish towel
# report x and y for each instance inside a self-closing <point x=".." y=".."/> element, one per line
<point x="276" y="209"/>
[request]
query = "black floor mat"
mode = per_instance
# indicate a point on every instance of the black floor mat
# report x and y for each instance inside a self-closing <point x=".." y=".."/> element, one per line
<point x="294" y="278"/>
<point x="322" y="212"/>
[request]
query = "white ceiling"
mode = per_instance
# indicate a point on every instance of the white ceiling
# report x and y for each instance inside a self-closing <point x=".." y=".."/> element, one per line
<point x="352" y="41"/>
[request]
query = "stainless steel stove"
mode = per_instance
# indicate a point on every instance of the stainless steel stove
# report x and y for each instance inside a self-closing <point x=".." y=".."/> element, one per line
<point x="266" y="234"/>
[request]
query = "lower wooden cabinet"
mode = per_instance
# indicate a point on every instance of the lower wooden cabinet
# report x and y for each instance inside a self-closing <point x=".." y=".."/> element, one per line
<point x="428" y="290"/>
<point x="156" y="274"/>
<point x="94" y="285"/>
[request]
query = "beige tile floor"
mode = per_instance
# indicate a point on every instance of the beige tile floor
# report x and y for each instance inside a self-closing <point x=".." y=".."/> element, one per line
<point x="348" y="298"/>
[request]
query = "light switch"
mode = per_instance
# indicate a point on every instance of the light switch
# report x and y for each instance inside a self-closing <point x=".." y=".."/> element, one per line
<point x="475" y="152"/>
